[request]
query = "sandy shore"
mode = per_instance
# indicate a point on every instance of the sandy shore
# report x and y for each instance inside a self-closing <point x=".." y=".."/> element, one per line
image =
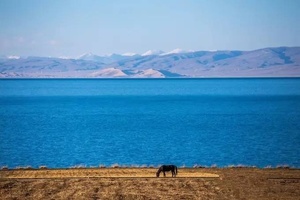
<point x="141" y="183"/>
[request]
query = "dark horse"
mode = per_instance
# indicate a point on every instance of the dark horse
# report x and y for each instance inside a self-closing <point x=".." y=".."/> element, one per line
<point x="166" y="168"/>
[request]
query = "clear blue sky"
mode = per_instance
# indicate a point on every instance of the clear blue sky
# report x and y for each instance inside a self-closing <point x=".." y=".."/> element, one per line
<point x="74" y="27"/>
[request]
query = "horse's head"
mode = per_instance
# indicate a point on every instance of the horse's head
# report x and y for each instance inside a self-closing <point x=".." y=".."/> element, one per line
<point x="157" y="174"/>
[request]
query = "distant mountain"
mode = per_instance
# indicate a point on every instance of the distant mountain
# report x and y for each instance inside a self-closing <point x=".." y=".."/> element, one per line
<point x="41" y="67"/>
<point x="267" y="62"/>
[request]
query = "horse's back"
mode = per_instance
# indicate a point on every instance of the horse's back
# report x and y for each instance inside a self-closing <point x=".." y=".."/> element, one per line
<point x="168" y="167"/>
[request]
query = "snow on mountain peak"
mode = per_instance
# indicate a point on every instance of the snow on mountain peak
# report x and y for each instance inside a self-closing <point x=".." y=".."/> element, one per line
<point x="13" y="57"/>
<point x="152" y="52"/>
<point x="177" y="51"/>
<point x="129" y="54"/>
<point x="86" y="56"/>
<point x="174" y="51"/>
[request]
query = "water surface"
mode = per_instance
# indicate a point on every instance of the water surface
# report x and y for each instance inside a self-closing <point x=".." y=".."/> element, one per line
<point x="67" y="122"/>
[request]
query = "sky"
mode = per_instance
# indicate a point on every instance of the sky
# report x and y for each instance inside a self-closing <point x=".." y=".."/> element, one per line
<point x="74" y="27"/>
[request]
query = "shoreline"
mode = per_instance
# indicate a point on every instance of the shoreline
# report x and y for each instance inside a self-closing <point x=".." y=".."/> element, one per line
<point x="177" y="78"/>
<point x="116" y="166"/>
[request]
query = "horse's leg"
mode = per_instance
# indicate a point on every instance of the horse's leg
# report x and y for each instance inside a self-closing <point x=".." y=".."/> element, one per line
<point x="164" y="173"/>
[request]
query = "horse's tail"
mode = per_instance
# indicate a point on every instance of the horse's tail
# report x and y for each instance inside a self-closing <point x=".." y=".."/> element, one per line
<point x="176" y="170"/>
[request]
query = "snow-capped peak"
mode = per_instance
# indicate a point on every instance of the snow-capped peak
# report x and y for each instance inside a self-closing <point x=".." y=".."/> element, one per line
<point x="174" y="51"/>
<point x="152" y="52"/>
<point x="129" y="54"/>
<point x="86" y="55"/>
<point x="13" y="57"/>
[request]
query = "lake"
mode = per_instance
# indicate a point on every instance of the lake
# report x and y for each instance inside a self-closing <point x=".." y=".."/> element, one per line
<point x="68" y="122"/>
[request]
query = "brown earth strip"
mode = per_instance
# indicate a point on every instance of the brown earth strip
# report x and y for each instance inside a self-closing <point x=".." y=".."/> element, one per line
<point x="235" y="183"/>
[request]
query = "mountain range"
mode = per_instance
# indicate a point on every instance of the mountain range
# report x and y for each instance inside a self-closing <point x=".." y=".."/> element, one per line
<point x="266" y="62"/>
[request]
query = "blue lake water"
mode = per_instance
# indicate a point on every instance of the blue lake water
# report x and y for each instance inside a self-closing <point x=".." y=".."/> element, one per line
<point x="67" y="122"/>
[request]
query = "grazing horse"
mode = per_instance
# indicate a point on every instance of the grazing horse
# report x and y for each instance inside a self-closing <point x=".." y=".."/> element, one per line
<point x="166" y="168"/>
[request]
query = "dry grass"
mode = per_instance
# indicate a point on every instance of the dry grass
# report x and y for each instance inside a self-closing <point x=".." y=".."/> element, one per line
<point x="136" y="183"/>
<point x="113" y="172"/>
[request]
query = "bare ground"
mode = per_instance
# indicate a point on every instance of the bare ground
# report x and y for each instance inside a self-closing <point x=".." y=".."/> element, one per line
<point x="140" y="183"/>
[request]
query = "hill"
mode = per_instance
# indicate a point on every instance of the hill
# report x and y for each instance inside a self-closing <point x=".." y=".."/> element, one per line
<point x="267" y="62"/>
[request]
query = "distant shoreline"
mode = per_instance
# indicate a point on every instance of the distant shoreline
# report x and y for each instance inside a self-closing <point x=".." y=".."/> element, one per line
<point x="196" y="78"/>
